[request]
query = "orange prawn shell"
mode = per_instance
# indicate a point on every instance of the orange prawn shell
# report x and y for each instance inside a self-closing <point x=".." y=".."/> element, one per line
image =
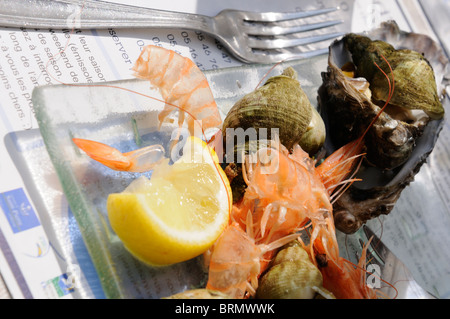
<point x="182" y="85"/>
<point x="281" y="203"/>
<point x="295" y="185"/>
<point x="233" y="263"/>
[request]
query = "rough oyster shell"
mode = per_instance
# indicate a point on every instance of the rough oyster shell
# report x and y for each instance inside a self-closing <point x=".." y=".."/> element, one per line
<point x="396" y="148"/>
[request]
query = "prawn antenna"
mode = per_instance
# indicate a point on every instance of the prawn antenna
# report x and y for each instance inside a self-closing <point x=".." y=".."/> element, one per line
<point x="390" y="94"/>
<point x="345" y="184"/>
<point x="268" y="72"/>
<point x="391" y="85"/>
<point x="372" y="274"/>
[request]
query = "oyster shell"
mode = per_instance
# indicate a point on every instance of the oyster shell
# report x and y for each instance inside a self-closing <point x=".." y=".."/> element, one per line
<point x="402" y="137"/>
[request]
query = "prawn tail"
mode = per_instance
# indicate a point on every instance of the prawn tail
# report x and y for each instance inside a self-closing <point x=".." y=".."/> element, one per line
<point x="345" y="279"/>
<point x="182" y="85"/>
<point x="140" y="160"/>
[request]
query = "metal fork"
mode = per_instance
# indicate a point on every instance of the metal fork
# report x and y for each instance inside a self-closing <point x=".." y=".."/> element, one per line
<point x="250" y="36"/>
<point x="392" y="269"/>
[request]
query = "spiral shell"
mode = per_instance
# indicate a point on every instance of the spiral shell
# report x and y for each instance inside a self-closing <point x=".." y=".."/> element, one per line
<point x="314" y="136"/>
<point x="415" y="83"/>
<point x="292" y="276"/>
<point x="279" y="104"/>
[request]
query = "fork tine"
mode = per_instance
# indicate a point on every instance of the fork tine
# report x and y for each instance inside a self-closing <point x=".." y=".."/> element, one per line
<point x="261" y="56"/>
<point x="283" y="16"/>
<point x="265" y="44"/>
<point x="280" y="30"/>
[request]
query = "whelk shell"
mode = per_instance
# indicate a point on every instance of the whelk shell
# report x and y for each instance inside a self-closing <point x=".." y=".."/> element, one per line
<point x="279" y="104"/>
<point x="292" y="275"/>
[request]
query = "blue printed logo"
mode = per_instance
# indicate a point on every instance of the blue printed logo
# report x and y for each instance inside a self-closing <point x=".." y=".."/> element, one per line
<point x="66" y="284"/>
<point x="18" y="210"/>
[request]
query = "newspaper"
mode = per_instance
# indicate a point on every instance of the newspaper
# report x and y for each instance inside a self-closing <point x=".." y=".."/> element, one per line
<point x="42" y="252"/>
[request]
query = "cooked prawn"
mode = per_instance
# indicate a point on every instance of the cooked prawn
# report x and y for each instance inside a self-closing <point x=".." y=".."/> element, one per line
<point x="294" y="196"/>
<point x="183" y="87"/>
<point x="235" y="266"/>
<point x="138" y="161"/>
<point x="278" y="205"/>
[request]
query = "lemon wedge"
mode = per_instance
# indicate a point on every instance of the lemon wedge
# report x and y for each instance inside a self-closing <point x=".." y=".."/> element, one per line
<point x="178" y="213"/>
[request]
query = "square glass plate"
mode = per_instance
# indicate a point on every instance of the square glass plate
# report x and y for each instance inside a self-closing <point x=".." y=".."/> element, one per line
<point x="121" y="114"/>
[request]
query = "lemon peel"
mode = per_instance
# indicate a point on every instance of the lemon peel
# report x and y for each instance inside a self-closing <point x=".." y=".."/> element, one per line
<point x="178" y="213"/>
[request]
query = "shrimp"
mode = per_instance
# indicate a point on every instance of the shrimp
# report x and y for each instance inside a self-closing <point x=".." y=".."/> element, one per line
<point x="235" y="266"/>
<point x="276" y="206"/>
<point x="183" y="87"/>
<point x="294" y="196"/>
<point x="137" y="161"/>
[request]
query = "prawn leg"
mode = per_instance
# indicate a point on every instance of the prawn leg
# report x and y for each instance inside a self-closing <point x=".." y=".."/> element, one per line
<point x="137" y="161"/>
<point x="336" y="167"/>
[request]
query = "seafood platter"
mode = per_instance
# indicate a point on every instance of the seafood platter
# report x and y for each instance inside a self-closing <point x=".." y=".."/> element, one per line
<point x="338" y="137"/>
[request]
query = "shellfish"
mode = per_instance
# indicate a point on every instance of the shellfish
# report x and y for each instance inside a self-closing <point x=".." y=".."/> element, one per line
<point x="404" y="134"/>
<point x="280" y="105"/>
<point x="292" y="275"/>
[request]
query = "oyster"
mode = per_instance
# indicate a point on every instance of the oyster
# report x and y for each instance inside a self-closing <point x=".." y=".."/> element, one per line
<point x="403" y="135"/>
